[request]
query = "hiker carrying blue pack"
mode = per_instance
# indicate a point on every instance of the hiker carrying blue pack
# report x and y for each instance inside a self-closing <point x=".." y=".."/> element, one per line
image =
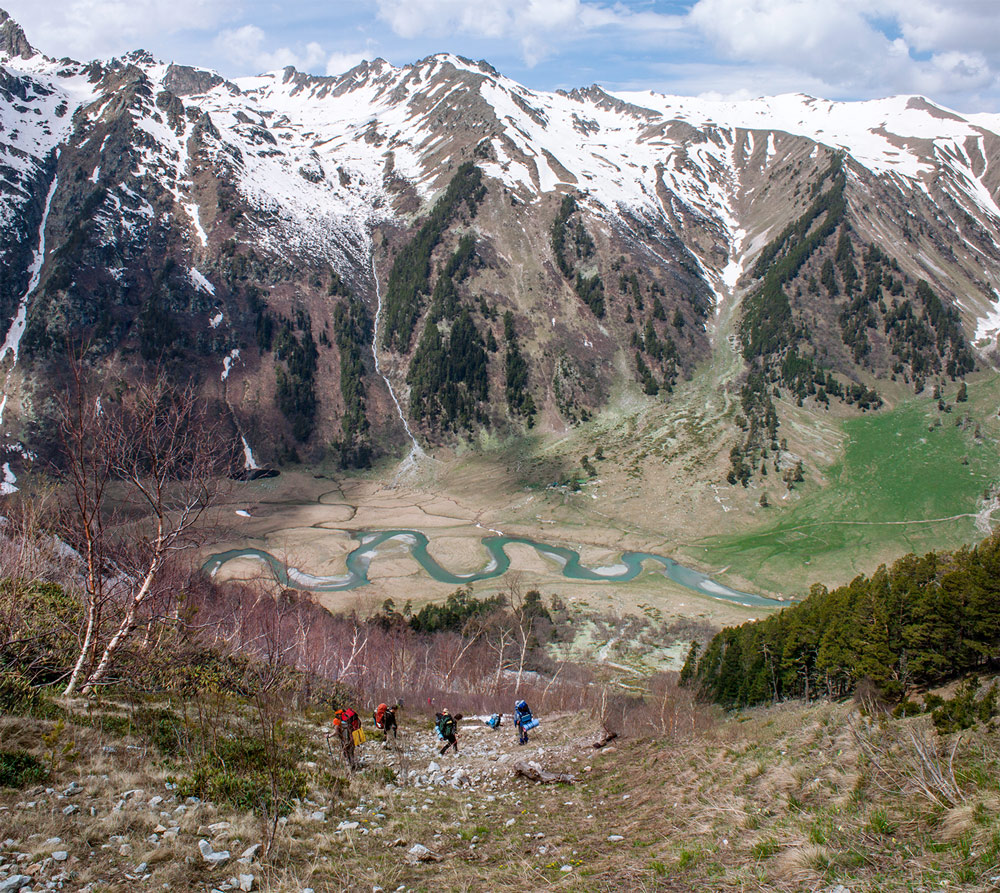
<point x="523" y="720"/>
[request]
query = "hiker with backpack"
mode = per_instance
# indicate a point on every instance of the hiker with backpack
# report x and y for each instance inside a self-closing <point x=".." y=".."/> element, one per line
<point x="447" y="728"/>
<point x="347" y="726"/>
<point x="523" y="720"/>
<point x="385" y="719"/>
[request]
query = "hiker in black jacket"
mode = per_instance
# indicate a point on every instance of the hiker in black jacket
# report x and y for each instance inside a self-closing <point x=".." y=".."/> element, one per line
<point x="447" y="727"/>
<point x="389" y="724"/>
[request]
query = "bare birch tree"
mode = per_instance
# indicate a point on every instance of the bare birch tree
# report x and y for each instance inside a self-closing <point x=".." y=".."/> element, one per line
<point x="141" y="467"/>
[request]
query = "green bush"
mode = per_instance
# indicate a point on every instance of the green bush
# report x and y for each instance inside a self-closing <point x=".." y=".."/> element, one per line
<point x="159" y="726"/>
<point x="965" y="709"/>
<point x="382" y="774"/>
<point x="17" y="695"/>
<point x="248" y="774"/>
<point x="19" y="768"/>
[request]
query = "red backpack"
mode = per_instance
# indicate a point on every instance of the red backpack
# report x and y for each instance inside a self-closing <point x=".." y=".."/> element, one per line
<point x="380" y="715"/>
<point x="348" y="717"/>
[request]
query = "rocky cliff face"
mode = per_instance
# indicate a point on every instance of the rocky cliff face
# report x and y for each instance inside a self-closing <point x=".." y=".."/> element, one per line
<point x="500" y="257"/>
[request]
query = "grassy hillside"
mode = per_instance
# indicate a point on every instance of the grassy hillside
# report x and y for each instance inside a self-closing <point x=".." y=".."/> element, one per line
<point x="790" y="798"/>
<point x="910" y="480"/>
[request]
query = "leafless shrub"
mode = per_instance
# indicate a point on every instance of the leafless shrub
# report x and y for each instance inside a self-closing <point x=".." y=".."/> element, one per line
<point x="909" y="758"/>
<point x="660" y="707"/>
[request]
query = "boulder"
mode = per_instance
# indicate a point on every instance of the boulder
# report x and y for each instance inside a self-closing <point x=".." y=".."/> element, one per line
<point x="419" y="853"/>
<point x="210" y="855"/>
<point x="249" y="854"/>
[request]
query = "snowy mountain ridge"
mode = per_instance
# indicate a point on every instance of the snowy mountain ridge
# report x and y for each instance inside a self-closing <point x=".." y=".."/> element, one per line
<point x="261" y="191"/>
<point x="288" y="134"/>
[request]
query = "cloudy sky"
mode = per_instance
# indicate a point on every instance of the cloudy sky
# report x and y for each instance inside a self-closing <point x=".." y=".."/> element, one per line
<point x="948" y="50"/>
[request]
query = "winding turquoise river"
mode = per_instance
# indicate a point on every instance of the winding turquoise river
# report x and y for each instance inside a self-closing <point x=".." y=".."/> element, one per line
<point x="629" y="566"/>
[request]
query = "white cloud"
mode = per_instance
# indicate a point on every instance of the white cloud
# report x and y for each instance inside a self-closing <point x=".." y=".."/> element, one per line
<point x="89" y="29"/>
<point x="246" y="47"/>
<point x="937" y="47"/>
<point x="539" y="26"/>
<point x="338" y="63"/>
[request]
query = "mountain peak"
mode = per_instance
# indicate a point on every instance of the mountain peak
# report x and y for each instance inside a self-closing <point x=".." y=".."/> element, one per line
<point x="12" y="39"/>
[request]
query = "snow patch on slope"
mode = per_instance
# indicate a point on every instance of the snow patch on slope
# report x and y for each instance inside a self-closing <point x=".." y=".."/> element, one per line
<point x="200" y="282"/>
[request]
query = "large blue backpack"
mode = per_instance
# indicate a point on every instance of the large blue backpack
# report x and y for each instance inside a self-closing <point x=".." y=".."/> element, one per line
<point x="522" y="715"/>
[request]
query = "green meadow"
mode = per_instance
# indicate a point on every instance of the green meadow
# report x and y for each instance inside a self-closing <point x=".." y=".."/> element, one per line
<point x="910" y="480"/>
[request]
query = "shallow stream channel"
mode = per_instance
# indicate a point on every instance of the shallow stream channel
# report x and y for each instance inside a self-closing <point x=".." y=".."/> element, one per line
<point x="629" y="566"/>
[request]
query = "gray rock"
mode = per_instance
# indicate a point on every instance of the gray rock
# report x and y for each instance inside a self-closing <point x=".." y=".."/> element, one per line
<point x="419" y="853"/>
<point x="210" y="855"/>
<point x="74" y="788"/>
<point x="155" y="801"/>
<point x="128" y="795"/>
<point x="60" y="855"/>
<point x="14" y="882"/>
<point x="318" y="816"/>
<point x="71" y="810"/>
<point x="249" y="854"/>
<point x="246" y="882"/>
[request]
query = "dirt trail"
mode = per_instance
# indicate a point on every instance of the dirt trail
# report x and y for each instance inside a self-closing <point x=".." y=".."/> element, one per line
<point x="485" y="758"/>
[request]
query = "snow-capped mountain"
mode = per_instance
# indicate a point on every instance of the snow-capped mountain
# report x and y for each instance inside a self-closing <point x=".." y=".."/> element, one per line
<point x="163" y="211"/>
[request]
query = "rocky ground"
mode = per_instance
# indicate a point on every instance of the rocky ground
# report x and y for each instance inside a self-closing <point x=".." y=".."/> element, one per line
<point x="406" y="810"/>
<point x="794" y="798"/>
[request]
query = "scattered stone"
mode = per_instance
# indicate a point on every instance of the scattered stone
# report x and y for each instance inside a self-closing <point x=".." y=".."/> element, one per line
<point x="533" y="771"/>
<point x="249" y="854"/>
<point x="14" y="882"/>
<point x="246" y="882"/>
<point x="128" y="795"/>
<point x="155" y="801"/>
<point x="210" y="855"/>
<point x="60" y="855"/>
<point x="566" y="869"/>
<point x="615" y="838"/>
<point x="318" y="816"/>
<point x="74" y="788"/>
<point x="419" y="853"/>
<point x="217" y="827"/>
<point x="71" y="810"/>
<point x="53" y="841"/>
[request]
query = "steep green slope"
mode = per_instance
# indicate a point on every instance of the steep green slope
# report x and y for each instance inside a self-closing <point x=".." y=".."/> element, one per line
<point x="910" y="479"/>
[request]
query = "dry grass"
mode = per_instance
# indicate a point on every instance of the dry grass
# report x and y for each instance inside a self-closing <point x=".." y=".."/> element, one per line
<point x="779" y="800"/>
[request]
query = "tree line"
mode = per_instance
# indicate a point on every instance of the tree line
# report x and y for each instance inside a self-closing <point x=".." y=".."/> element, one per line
<point x="918" y="623"/>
